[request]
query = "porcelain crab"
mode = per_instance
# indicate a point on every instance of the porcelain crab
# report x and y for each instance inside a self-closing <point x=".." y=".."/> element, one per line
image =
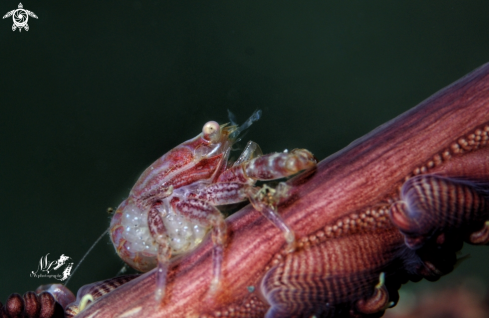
<point x="173" y="203"/>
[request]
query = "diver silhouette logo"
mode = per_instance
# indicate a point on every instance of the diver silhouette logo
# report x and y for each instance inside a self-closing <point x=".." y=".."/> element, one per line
<point x="47" y="266"/>
<point x="20" y="17"/>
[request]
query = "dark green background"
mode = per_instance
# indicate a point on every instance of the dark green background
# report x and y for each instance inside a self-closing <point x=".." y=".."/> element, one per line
<point x="96" y="91"/>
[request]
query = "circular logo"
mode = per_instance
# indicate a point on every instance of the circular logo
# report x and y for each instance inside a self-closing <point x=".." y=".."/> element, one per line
<point x="20" y="18"/>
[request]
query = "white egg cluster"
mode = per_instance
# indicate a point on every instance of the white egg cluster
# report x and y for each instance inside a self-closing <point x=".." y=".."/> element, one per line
<point x="184" y="235"/>
<point x="136" y="232"/>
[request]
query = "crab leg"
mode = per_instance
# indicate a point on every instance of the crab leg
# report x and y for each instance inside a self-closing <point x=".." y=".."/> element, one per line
<point x="265" y="199"/>
<point x="221" y="193"/>
<point x="207" y="215"/>
<point x="269" y="167"/>
<point x="279" y="165"/>
<point x="235" y="184"/>
<point x="251" y="150"/>
<point x="159" y="233"/>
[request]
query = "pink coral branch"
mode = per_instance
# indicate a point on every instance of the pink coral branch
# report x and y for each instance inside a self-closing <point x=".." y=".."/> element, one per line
<point x="366" y="174"/>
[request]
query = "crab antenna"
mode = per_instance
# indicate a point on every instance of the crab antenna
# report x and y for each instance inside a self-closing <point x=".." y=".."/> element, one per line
<point x="232" y="118"/>
<point x="254" y="117"/>
<point x="86" y="254"/>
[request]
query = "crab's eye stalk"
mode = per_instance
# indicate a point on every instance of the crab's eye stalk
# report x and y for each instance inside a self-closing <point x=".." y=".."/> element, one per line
<point x="211" y="131"/>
